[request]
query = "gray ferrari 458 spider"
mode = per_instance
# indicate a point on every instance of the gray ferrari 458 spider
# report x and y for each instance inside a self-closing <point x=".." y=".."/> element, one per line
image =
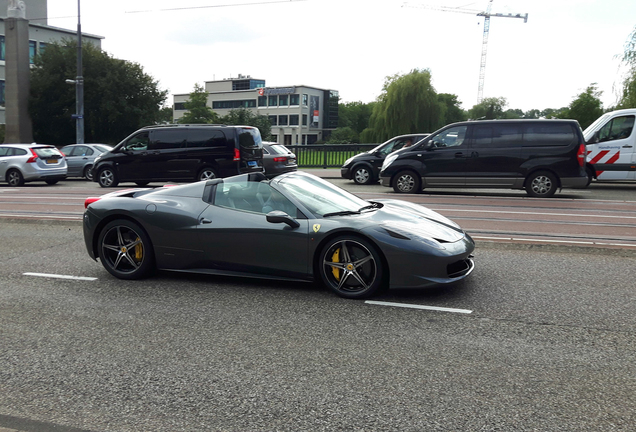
<point x="294" y="227"/>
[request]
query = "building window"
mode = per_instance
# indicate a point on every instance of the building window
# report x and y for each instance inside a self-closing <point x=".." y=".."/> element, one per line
<point x="262" y="101"/>
<point x="282" y="100"/>
<point x="282" y="120"/>
<point x="2" y="48"/>
<point x="32" y="45"/>
<point x="273" y="119"/>
<point x="272" y="101"/>
<point x="305" y="99"/>
<point x="304" y="119"/>
<point x="1" y="92"/>
<point x="294" y="99"/>
<point x="233" y="104"/>
<point x="293" y="120"/>
<point x="42" y="48"/>
<point x="179" y="106"/>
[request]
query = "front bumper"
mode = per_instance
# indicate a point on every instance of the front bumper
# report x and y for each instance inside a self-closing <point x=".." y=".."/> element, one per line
<point x="346" y="173"/>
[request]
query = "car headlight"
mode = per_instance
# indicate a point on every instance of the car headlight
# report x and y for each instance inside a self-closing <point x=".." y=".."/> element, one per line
<point x="347" y="162"/>
<point x="389" y="160"/>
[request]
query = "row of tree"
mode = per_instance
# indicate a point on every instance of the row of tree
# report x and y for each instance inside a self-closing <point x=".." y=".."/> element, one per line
<point x="119" y="98"/>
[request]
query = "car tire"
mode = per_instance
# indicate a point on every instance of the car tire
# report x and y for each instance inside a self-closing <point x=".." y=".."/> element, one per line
<point x="51" y="182"/>
<point x="88" y="173"/>
<point x="107" y="178"/>
<point x="142" y="183"/>
<point x="206" y="174"/>
<point x="125" y="250"/>
<point x="590" y="175"/>
<point x="15" y="178"/>
<point x="407" y="182"/>
<point x="362" y="175"/>
<point x="541" y="184"/>
<point x="351" y="267"/>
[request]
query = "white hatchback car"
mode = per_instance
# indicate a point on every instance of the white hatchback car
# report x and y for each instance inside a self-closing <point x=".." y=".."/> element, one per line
<point x="20" y="163"/>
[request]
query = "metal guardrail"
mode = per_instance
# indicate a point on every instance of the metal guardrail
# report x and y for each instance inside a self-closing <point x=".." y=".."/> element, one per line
<point x="326" y="155"/>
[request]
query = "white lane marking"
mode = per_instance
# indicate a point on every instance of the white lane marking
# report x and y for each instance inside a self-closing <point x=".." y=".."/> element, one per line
<point x="543" y="240"/>
<point x="414" y="306"/>
<point x="532" y="213"/>
<point x="40" y="216"/>
<point x="57" y="276"/>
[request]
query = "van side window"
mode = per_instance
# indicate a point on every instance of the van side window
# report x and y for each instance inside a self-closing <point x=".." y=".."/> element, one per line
<point x="137" y="142"/>
<point x="201" y="138"/>
<point x="497" y="136"/>
<point x="451" y="137"/>
<point x="545" y="134"/>
<point x="167" y="139"/>
<point x="618" y="128"/>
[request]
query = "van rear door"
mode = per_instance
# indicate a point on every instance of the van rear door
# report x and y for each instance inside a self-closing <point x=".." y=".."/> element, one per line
<point x="250" y="149"/>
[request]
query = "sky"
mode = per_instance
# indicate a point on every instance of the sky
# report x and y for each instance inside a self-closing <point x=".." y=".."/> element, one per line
<point x="352" y="45"/>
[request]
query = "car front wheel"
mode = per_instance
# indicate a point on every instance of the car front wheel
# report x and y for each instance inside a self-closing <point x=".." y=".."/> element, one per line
<point x="362" y="175"/>
<point x="351" y="267"/>
<point x="88" y="173"/>
<point x="125" y="250"/>
<point x="15" y="178"/>
<point x="407" y="182"/>
<point x="107" y="178"/>
<point x="541" y="184"/>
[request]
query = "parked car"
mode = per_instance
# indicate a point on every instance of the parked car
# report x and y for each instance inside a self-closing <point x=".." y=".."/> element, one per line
<point x="20" y="163"/>
<point x="181" y="153"/>
<point x="539" y="156"/>
<point x="80" y="158"/>
<point x="364" y="168"/>
<point x="277" y="159"/>
<point x="611" y="147"/>
<point x="295" y="226"/>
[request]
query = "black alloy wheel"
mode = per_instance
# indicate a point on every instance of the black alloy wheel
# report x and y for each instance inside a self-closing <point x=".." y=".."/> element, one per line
<point x="125" y="250"/>
<point x="407" y="182"/>
<point x="107" y="178"/>
<point x="362" y="175"/>
<point x="15" y="178"/>
<point x="351" y="267"/>
<point x="207" y="174"/>
<point x="541" y="184"/>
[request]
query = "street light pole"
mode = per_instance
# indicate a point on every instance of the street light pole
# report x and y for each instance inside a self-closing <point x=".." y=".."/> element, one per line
<point x="79" y="85"/>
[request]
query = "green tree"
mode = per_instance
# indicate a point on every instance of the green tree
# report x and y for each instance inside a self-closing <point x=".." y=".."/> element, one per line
<point x="628" y="97"/>
<point x="408" y="104"/>
<point x="488" y="109"/>
<point x="245" y="117"/>
<point x="197" y="109"/>
<point x="119" y="97"/>
<point x="552" y="113"/>
<point x="586" y="107"/>
<point x="343" y="135"/>
<point x="355" y="115"/>
<point x="453" y="111"/>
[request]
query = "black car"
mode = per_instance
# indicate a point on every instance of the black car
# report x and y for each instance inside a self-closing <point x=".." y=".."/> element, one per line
<point x="181" y="153"/>
<point x="364" y="168"/>
<point x="277" y="159"/>
<point x="294" y="227"/>
<point x="539" y="156"/>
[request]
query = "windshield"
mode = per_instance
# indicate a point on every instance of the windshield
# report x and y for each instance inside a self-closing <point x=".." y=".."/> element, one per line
<point x="321" y="197"/>
<point x="589" y="131"/>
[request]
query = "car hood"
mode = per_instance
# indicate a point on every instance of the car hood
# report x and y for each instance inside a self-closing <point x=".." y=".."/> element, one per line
<point x="408" y="219"/>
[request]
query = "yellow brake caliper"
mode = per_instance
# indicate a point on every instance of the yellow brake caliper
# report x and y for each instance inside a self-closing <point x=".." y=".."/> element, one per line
<point x="336" y="258"/>
<point x="139" y="250"/>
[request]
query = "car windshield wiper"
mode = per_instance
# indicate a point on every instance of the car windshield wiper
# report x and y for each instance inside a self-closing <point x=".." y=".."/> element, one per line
<point x="341" y="213"/>
<point x="372" y="206"/>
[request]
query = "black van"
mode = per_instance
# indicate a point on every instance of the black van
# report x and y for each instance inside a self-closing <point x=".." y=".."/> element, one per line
<point x="364" y="168"/>
<point x="539" y="156"/>
<point x="181" y="153"/>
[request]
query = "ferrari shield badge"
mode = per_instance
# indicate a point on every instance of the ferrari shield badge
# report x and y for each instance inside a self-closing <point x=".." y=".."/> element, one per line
<point x="316" y="227"/>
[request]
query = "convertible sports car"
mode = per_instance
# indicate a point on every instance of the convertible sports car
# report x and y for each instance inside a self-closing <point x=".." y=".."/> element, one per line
<point x="294" y="227"/>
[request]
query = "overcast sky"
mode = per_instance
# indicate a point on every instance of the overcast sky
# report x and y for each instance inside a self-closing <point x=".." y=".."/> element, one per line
<point x="352" y="45"/>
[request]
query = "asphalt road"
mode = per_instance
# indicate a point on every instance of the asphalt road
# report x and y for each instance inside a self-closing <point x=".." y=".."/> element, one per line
<point x="534" y="340"/>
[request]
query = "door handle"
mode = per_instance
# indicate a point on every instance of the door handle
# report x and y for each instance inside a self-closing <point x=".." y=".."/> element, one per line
<point x="205" y="221"/>
<point x="627" y="146"/>
<point x="459" y="155"/>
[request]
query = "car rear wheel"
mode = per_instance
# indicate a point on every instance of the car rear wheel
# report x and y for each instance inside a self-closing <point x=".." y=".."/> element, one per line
<point x="407" y="182"/>
<point x="541" y="184"/>
<point x="142" y="183"/>
<point x="590" y="175"/>
<point x="351" y="267"/>
<point x="362" y="175"/>
<point x="15" y="178"/>
<point x="88" y="173"/>
<point x="207" y="174"/>
<point x="125" y="250"/>
<point x="107" y="178"/>
<point x="51" y="182"/>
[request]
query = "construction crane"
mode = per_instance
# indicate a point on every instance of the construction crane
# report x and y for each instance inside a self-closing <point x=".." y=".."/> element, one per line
<point x="484" y="47"/>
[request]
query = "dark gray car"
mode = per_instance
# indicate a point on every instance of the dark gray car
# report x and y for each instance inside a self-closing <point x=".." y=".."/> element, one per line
<point x="80" y="158"/>
<point x="277" y="159"/>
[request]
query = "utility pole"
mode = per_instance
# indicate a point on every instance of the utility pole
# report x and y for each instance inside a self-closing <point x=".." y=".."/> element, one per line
<point x="79" y="84"/>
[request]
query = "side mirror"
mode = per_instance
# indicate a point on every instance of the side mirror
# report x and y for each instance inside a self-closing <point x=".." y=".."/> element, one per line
<point x="277" y="216"/>
<point x="595" y="138"/>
